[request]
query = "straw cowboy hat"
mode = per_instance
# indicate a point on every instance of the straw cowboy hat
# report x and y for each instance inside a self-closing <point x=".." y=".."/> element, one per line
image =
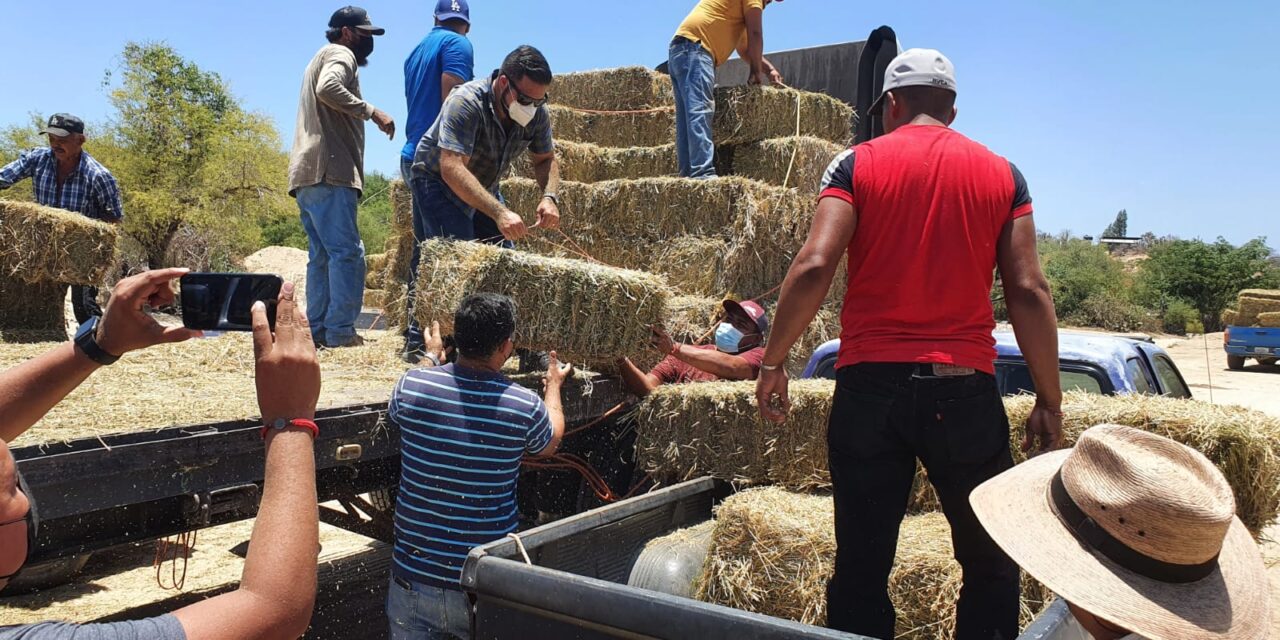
<point x="1136" y="529"/>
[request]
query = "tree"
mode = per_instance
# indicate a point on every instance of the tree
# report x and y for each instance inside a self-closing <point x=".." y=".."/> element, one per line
<point x="188" y="157"/>
<point x="1207" y="276"/>
<point x="1119" y="228"/>
<point x="1078" y="270"/>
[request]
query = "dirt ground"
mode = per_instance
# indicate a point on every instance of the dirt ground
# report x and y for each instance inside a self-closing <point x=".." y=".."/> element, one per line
<point x="1256" y="387"/>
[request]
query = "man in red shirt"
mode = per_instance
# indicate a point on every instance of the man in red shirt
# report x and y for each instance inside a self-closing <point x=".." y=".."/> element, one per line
<point x="736" y="354"/>
<point x="926" y="216"/>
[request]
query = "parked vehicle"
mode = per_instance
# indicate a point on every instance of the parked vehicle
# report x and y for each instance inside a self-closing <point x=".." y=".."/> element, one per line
<point x="1092" y="362"/>
<point x="1242" y="343"/>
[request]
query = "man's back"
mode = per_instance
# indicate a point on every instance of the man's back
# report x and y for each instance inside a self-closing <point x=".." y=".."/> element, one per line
<point x="462" y="433"/>
<point x="442" y="51"/>
<point x="931" y="205"/>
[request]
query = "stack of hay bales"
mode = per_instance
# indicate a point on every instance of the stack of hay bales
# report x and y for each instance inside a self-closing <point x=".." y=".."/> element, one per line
<point x="586" y="312"/>
<point x="397" y="257"/>
<point x="42" y="249"/>
<point x="1255" y="308"/>
<point x="773" y="552"/>
<point x="687" y="431"/>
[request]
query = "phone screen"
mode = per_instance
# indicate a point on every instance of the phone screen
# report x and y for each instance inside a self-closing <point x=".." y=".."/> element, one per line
<point x="222" y="301"/>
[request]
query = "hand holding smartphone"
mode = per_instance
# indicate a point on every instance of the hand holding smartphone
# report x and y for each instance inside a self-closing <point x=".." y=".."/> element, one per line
<point x="222" y="301"/>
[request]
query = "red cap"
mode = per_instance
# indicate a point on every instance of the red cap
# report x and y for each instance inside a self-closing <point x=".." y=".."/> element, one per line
<point x="746" y="315"/>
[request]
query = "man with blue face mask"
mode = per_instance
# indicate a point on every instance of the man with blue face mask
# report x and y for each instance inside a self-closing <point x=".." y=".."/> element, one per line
<point x="736" y="354"/>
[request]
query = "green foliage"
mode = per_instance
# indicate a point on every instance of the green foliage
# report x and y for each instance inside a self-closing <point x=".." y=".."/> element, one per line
<point x="1118" y="228"/>
<point x="373" y="219"/>
<point x="189" y="159"/>
<point x="1206" y="276"/>
<point x="1110" y="310"/>
<point x="13" y="141"/>
<point x="1180" y="317"/>
<point x="1077" y="271"/>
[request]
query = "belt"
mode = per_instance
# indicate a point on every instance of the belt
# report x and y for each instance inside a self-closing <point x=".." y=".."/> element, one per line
<point x="405" y="581"/>
<point x="682" y="39"/>
<point x="917" y="369"/>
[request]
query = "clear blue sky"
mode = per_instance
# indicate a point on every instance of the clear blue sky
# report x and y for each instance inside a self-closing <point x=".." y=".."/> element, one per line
<point x="1167" y="109"/>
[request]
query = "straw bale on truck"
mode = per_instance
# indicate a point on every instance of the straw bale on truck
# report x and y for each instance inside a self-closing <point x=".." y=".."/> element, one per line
<point x="43" y="244"/>
<point x="619" y="89"/>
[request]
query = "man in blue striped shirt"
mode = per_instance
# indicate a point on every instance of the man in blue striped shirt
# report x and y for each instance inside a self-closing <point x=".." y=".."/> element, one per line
<point x="65" y="176"/>
<point x="463" y="429"/>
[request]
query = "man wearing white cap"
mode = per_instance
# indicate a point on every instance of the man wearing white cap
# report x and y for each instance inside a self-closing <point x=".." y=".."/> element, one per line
<point x="1137" y="533"/>
<point x="926" y="216"/>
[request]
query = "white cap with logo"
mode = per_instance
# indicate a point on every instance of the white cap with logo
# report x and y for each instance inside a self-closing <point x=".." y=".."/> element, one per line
<point x="917" y="68"/>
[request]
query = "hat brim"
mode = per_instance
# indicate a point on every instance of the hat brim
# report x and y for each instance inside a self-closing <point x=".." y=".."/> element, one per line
<point x="55" y="131"/>
<point x="877" y="107"/>
<point x="377" y="31"/>
<point x="1229" y="603"/>
<point x="453" y="16"/>
<point x="738" y="317"/>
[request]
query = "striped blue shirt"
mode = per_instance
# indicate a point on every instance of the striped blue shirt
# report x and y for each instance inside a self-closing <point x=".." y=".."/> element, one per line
<point x="462" y="435"/>
<point x="90" y="189"/>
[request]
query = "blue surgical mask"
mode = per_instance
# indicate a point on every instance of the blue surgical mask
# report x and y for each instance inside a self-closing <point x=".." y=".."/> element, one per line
<point x="728" y="337"/>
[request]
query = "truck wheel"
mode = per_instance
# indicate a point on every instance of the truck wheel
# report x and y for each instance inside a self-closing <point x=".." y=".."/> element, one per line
<point x="46" y="575"/>
<point x="1235" y="363"/>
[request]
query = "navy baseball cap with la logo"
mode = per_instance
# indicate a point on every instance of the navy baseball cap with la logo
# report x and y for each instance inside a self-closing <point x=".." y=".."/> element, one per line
<point x="63" y="125"/>
<point x="350" y="16"/>
<point x="453" y="10"/>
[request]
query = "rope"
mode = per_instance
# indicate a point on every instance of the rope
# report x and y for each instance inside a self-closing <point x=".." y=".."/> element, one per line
<point x="183" y="545"/>
<point x="1208" y="365"/>
<point x="795" y="151"/>
<point x="623" y="112"/>
<point x="618" y="407"/>
<point x="520" y="546"/>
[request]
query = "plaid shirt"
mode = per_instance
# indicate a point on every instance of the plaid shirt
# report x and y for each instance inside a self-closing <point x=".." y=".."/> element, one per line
<point x="469" y="125"/>
<point x="90" y="189"/>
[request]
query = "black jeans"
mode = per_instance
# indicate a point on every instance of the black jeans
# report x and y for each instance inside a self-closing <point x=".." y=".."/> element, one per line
<point x="885" y="416"/>
<point x="84" y="302"/>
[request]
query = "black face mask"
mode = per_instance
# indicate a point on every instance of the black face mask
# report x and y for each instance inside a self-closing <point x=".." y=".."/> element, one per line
<point x="363" y="49"/>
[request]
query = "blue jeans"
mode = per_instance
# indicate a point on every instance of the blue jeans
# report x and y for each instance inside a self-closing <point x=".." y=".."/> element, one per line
<point x="427" y="613"/>
<point x="437" y="215"/>
<point x="335" y="268"/>
<point x="693" y="77"/>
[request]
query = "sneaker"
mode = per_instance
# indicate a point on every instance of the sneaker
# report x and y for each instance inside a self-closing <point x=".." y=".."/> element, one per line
<point x="353" y="341"/>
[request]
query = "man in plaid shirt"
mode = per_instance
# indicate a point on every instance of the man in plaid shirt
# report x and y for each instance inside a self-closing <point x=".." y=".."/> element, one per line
<point x="65" y="176"/>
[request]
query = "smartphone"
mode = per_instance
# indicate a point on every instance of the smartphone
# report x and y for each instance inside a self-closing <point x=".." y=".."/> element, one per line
<point x="222" y="301"/>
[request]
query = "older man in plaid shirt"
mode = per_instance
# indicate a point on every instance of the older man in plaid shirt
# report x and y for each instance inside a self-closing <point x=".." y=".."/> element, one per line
<point x="65" y="176"/>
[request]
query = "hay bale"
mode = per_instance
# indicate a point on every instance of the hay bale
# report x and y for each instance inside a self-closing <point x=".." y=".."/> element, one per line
<point x="769" y="160"/>
<point x="395" y="306"/>
<point x="686" y="431"/>
<point x="773" y="552"/>
<point x="582" y="162"/>
<point x="714" y="428"/>
<point x="750" y="114"/>
<point x="690" y="263"/>
<point x="587" y="312"/>
<point x="32" y="312"/>
<point x="373" y="298"/>
<point x="1250" y="307"/>
<point x="374" y="264"/>
<point x="743" y="115"/>
<point x="401" y="206"/>
<point x="1230" y="317"/>
<point x="1265" y="294"/>
<point x="1270" y="320"/>
<point x="624" y="88"/>
<point x="44" y="244"/>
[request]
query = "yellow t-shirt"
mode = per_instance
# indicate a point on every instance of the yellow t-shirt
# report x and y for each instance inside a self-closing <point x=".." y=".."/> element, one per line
<point x="718" y="25"/>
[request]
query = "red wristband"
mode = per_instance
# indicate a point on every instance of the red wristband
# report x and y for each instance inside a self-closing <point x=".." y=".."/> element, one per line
<point x="299" y="423"/>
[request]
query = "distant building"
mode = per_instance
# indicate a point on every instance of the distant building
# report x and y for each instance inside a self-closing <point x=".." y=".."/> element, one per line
<point x="1121" y="245"/>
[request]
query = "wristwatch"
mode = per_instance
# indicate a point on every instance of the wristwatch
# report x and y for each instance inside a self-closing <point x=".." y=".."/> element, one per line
<point x="87" y="341"/>
<point x="553" y="198"/>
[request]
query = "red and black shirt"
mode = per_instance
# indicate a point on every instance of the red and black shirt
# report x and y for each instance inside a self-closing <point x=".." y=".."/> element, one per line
<point x="931" y="205"/>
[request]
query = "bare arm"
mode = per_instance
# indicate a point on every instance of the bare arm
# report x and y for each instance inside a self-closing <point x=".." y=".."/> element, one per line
<point x="553" y="382"/>
<point x="638" y="382"/>
<point x="546" y="168"/>
<point x="1035" y="326"/>
<point x="453" y="168"/>
<point x="721" y="365"/>
<point x="278" y="587"/>
<point x="754" y="54"/>
<point x="29" y="390"/>
<point x="447" y="82"/>
<point x="805" y="286"/>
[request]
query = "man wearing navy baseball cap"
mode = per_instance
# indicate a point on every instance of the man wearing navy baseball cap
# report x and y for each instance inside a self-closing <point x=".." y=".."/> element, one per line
<point x="65" y="176"/>
<point x="326" y="174"/>
<point x="736" y="354"/>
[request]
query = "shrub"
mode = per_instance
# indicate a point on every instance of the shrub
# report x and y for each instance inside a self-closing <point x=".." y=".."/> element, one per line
<point x="1109" y="310"/>
<point x="1179" y="316"/>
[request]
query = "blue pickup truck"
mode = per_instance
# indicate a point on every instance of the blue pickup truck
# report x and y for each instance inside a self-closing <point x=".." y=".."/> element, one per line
<point x="1259" y="343"/>
<point x="1093" y="362"/>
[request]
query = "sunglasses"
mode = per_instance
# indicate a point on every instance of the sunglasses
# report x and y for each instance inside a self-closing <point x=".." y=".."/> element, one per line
<point x="524" y="99"/>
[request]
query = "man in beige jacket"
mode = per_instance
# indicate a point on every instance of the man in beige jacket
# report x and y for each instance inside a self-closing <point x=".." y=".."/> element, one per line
<point x="326" y="174"/>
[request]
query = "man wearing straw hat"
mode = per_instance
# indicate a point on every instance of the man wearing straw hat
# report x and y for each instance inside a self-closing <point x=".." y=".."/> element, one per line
<point x="925" y="216"/>
<point x="1136" y="533"/>
<point x="65" y="176"/>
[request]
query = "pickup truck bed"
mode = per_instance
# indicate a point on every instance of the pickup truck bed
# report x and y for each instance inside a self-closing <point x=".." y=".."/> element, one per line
<point x="1243" y="343"/>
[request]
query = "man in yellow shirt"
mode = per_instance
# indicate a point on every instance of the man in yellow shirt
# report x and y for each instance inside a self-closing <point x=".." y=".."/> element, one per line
<point x="704" y="41"/>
